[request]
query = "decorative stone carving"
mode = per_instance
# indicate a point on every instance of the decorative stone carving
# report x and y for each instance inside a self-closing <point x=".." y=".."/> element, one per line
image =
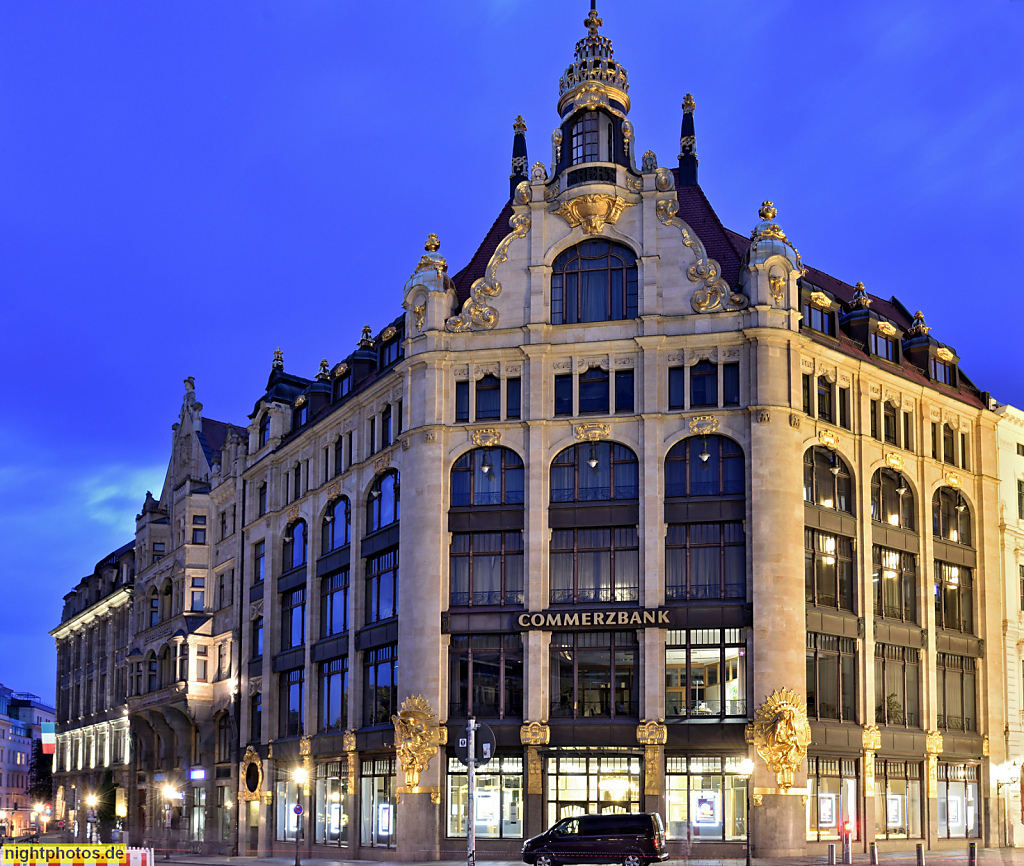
<point x="430" y="436"/>
<point x="652" y="770"/>
<point x="418" y="733"/>
<point x="781" y="734"/>
<point x="829" y="438"/>
<point x="871" y="738"/>
<point x="255" y="685"/>
<point x="764" y="416"/>
<point x="255" y="610"/>
<point x="886" y="329"/>
<point x="419" y="313"/>
<point x="648" y="162"/>
<point x="348" y="741"/>
<point x="250" y="777"/>
<point x="382" y="462"/>
<point x="523" y="194"/>
<point x="704" y="424"/>
<point x="592" y="211"/>
<point x="943" y="354"/>
<point x="334" y="491"/>
<point x="535" y="734"/>
<point x="794" y="420"/>
<point x="486" y="437"/>
<point x="592" y="431"/>
<point x="652" y="733"/>
<point x="933" y="742"/>
<point x="476" y="311"/>
<point x="534" y="771"/>
<point x="821" y="300"/>
<point x="663" y="180"/>
<point x="777" y="288"/>
<point x="634" y="184"/>
<point x="954" y="480"/>
<point x="293" y="513"/>
<point x="538" y="173"/>
<point x="894" y="461"/>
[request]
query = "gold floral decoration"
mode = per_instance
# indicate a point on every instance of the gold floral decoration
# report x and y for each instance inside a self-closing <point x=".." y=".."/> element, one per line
<point x="704" y="424"/>
<point x="486" y="437"/>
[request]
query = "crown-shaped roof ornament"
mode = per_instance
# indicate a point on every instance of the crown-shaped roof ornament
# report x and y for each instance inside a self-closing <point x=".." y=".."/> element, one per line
<point x="520" y="125"/>
<point x="688" y="104"/>
<point x="278" y="359"/>
<point x="860" y="297"/>
<point x="325" y="371"/>
<point x="433" y="244"/>
<point x="594" y="78"/>
<point x="366" y="341"/>
<point x="918" y="327"/>
<point x="767" y="211"/>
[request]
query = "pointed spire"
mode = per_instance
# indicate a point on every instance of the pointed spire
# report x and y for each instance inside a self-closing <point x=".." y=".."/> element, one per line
<point x="520" y="171"/>
<point x="687" y="145"/>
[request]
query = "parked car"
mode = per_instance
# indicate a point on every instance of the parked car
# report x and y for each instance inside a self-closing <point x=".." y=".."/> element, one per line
<point x="633" y="839"/>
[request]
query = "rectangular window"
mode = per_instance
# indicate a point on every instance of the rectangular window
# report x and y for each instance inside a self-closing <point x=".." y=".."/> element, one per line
<point x="372" y="436"/>
<point x="382" y="586"/>
<point x="461" y="402"/>
<point x="594" y="674"/>
<point x="703" y="804"/>
<point x="198" y="598"/>
<point x="706" y="673"/>
<point x="200" y="663"/>
<point x="380" y="685"/>
<point x="807" y="393"/>
<point x="705" y="561"/>
<point x="942" y="372"/>
<point x="291" y="702"/>
<point x="331" y="790"/>
<point x="334" y="604"/>
<point x="1020" y="449"/>
<point x="959" y="806"/>
<point x="831" y="677"/>
<point x="832" y="799"/>
<point x="844" y="408"/>
<point x="199" y="536"/>
<point x="334" y="694"/>
<point x="819" y="320"/>
<point x="703" y="384"/>
<point x="488" y="398"/>
<point x="258" y="559"/>
<point x="890" y="427"/>
<point x="293" y="618"/>
<point x="874" y="409"/>
<point x="826" y="410"/>
<point x="935" y="441"/>
<point x="954" y="597"/>
<point x="883" y="347"/>
<point x="894" y="584"/>
<point x="624" y="391"/>
<point x="261" y="500"/>
<point x="595" y="565"/>
<point x="513" y="398"/>
<point x="948" y="445"/>
<point x="965" y="461"/>
<point x="385" y="426"/>
<point x="828" y="570"/>
<point x="399" y="418"/>
<point x="1020" y="502"/>
<point x="501" y="788"/>
<point x="223" y="525"/>
<point x="257" y="637"/>
<point x="677" y="388"/>
<point x="898" y="805"/>
<point x="1022" y="587"/>
<point x="485" y="676"/>
<point x="730" y="384"/>
<point x="955" y="688"/>
<point x="339" y="455"/>
<point x="486" y="568"/>
<point x="897" y="686"/>
<point x="378" y="803"/>
<point x="563" y="395"/>
<point x="158" y="551"/>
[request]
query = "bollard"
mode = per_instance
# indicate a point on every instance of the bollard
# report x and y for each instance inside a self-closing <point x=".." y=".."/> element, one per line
<point x="874" y="854"/>
<point x="920" y="854"/>
<point x="972" y="854"/>
<point x="831" y="854"/>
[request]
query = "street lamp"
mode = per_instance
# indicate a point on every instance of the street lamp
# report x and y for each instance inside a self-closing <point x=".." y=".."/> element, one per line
<point x="41" y="813"/>
<point x="300" y="776"/>
<point x="170" y="793"/>
<point x="746" y="768"/>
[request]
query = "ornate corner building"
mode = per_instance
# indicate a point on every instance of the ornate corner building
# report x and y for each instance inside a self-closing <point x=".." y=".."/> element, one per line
<point x="651" y="498"/>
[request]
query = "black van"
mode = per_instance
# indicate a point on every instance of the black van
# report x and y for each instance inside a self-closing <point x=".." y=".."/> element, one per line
<point x="631" y="839"/>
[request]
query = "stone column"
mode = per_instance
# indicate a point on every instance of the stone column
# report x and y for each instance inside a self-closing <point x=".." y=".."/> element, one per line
<point x="933" y="748"/>
<point x="775" y="523"/>
<point x="871" y="741"/>
<point x="533" y="735"/>
<point x="653" y="735"/>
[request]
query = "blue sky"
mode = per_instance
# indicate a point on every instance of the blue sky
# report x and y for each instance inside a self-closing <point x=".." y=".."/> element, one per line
<point x="186" y="186"/>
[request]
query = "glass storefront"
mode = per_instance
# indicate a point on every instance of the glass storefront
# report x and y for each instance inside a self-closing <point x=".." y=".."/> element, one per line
<point x="499" y="799"/>
<point x="958" y="801"/>
<point x="286" y="796"/>
<point x="584" y="783"/>
<point x="378" y="803"/>
<point x="705" y="798"/>
<point x="832" y="785"/>
<point x="897" y="800"/>
<point x="330" y="787"/>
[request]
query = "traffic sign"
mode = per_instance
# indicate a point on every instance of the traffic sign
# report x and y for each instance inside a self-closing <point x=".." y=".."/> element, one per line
<point x="298" y="809"/>
<point x="483" y="741"/>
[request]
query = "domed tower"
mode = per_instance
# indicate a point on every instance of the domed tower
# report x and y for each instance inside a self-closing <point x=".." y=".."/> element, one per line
<point x="593" y="101"/>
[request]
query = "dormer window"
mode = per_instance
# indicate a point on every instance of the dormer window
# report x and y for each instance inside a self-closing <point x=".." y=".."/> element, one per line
<point x="883" y="347"/>
<point x="264" y="437"/>
<point x="818" y="319"/>
<point x="300" y="413"/>
<point x="586" y="138"/>
<point x="943" y="372"/>
<point x="391" y="348"/>
<point x="342" y="386"/>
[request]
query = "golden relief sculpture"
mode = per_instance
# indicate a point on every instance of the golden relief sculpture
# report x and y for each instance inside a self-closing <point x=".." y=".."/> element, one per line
<point x="653" y="764"/>
<point x="348" y="741"/>
<point x="535" y="734"/>
<point x="781" y="734"/>
<point x="894" y="461"/>
<point x="829" y="438"/>
<point x="251" y="777"/>
<point x="476" y="311"/>
<point x="486" y="437"/>
<point x="984" y="746"/>
<point x="593" y="211"/>
<point x="523" y="195"/>
<point x="918" y="326"/>
<point x="300" y="401"/>
<point x="388" y="333"/>
<point x="534" y="770"/>
<point x="954" y="480"/>
<point x="713" y="293"/>
<point x="652" y="733"/>
<point x="293" y="513"/>
<point x="340" y="369"/>
<point x="943" y="354"/>
<point x="777" y="287"/>
<point x="821" y="300"/>
<point x="592" y="431"/>
<point x="418" y="733"/>
<point x="325" y="371"/>
<point x="886" y="329"/>
<point x="704" y="424"/>
<point x="419" y="313"/>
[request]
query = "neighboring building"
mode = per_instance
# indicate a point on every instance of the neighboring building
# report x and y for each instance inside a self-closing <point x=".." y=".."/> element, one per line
<point x="641" y="474"/>
<point x="21" y="717"/>
<point x="1011" y="552"/>
<point x="91" y="714"/>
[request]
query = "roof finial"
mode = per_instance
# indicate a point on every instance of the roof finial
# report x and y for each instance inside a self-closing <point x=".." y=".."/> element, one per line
<point x="918" y="327"/>
<point x="593" y="21"/>
<point x="860" y="296"/>
<point x="519" y="157"/>
<point x="366" y="341"/>
<point x="325" y="371"/>
<point x="431" y="246"/>
<point x="519" y="125"/>
<point x="767" y="211"/>
<point x="278" y="359"/>
<point x="687" y="145"/>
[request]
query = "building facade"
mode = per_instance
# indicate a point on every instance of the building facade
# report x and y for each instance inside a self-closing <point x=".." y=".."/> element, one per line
<point x="652" y="498"/>
<point x="21" y="718"/>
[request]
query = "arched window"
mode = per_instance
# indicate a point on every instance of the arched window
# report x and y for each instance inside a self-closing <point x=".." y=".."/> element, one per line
<point x="595" y="281"/>
<point x="294" y="548"/>
<point x="594" y="472"/>
<point x="487" y="476"/>
<point x="827" y="480"/>
<point x="264" y="430"/>
<point x="951" y="518"/>
<point x="892" y="501"/>
<point x="382" y="507"/>
<point x="337" y="526"/>
<point x="704" y="466"/>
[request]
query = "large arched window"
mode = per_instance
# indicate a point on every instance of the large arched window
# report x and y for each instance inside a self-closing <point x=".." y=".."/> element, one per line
<point x="595" y="281"/>
<point x="264" y="436"/>
<point x="704" y="466"/>
<point x="951" y="518"/>
<point x="594" y="472"/>
<point x="892" y="501"/>
<point x="294" y="548"/>
<point x="382" y="507"/>
<point x="827" y="480"/>
<point x="487" y="476"/>
<point x="337" y="526"/>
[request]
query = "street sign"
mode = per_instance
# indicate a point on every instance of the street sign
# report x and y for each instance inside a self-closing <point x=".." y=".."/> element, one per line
<point x="484" y="742"/>
<point x="298" y="809"/>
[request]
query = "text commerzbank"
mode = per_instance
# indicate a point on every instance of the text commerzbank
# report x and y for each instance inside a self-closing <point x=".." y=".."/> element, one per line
<point x="597" y="619"/>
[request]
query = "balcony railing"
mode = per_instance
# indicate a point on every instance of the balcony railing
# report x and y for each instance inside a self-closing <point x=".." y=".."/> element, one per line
<point x="593" y="709"/>
<point x="697" y="593"/>
<point x="955" y="723"/>
<point x="698" y="709"/>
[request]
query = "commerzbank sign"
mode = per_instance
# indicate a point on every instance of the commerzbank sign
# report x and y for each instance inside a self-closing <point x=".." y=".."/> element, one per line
<point x="638" y="618"/>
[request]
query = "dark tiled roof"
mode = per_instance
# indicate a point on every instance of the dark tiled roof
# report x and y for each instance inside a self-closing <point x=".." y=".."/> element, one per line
<point x="212" y="437"/>
<point x="465" y="278"/>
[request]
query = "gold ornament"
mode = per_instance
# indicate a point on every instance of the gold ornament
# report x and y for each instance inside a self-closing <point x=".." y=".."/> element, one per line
<point x="781" y="734"/>
<point x="418" y="733"/>
<point x="535" y="734"/>
<point x="593" y="211"/>
<point x="486" y="437"/>
<point x="592" y="432"/>
<point x="652" y="733"/>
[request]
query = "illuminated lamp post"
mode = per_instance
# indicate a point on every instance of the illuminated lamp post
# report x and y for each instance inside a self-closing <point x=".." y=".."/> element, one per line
<point x="300" y="776"/>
